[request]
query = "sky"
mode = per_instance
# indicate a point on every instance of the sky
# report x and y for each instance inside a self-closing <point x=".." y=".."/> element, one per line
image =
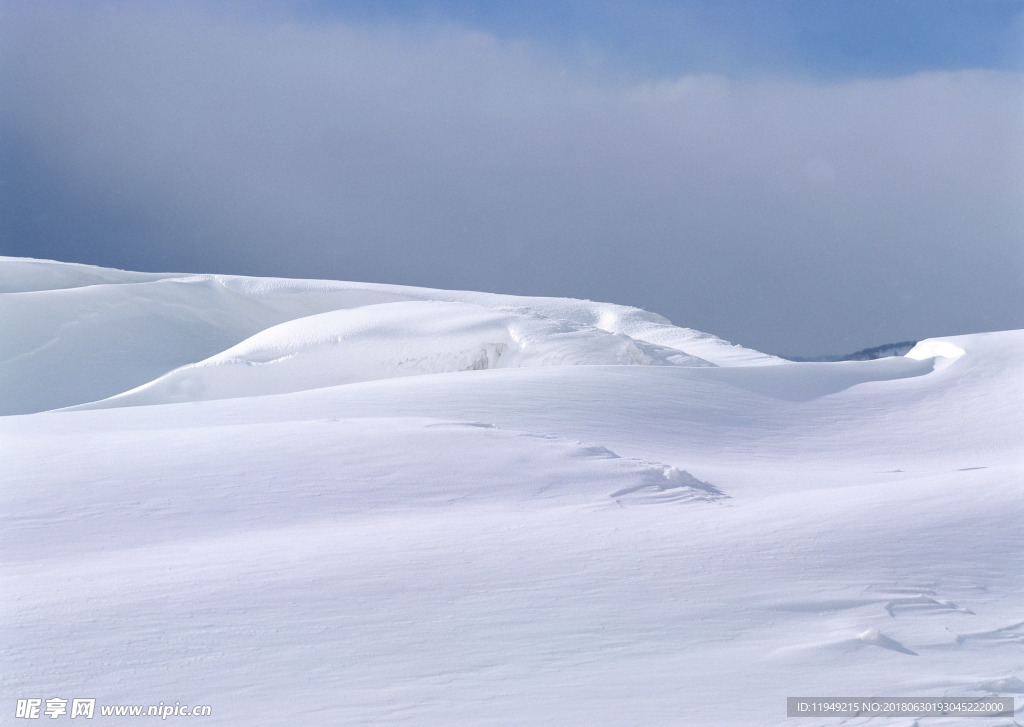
<point x="801" y="177"/>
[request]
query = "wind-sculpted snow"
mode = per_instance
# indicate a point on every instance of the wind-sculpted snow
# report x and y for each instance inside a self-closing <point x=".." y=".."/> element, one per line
<point x="944" y="352"/>
<point x="389" y="340"/>
<point x="343" y="503"/>
<point x="93" y="333"/>
<point x="21" y="275"/>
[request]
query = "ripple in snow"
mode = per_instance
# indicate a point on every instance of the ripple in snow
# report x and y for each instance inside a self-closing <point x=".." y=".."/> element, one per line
<point x="667" y="484"/>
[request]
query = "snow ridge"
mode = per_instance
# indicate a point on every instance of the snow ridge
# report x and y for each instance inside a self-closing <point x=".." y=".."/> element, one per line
<point x="320" y="502"/>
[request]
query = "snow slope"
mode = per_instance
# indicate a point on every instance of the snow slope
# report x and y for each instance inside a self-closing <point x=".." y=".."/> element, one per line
<point x="337" y="503"/>
<point x="388" y="340"/>
<point x="124" y="329"/>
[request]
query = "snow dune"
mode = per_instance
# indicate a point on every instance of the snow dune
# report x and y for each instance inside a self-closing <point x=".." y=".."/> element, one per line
<point x="317" y="502"/>
<point x="124" y="330"/>
<point x="389" y="340"/>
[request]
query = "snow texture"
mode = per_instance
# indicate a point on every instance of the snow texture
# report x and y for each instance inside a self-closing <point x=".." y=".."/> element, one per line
<point x="318" y="502"/>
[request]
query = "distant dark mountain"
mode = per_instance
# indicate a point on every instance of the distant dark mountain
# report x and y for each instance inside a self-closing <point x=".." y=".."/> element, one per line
<point x="866" y="354"/>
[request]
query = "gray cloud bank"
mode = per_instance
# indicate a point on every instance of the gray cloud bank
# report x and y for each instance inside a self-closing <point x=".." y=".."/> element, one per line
<point x="790" y="216"/>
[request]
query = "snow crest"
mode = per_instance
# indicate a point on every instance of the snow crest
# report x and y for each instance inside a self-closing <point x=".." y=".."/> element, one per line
<point x="391" y="340"/>
<point x="93" y="333"/>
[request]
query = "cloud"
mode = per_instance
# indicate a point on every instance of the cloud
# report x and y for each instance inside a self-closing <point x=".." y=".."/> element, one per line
<point x="788" y="215"/>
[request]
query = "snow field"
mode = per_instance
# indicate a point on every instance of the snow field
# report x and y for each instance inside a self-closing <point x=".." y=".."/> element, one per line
<point x="588" y="537"/>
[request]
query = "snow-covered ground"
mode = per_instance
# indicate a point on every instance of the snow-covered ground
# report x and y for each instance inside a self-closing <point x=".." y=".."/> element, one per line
<point x="314" y="502"/>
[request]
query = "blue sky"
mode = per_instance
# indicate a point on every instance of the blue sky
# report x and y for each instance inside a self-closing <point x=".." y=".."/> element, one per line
<point x="800" y="177"/>
<point x="827" y="39"/>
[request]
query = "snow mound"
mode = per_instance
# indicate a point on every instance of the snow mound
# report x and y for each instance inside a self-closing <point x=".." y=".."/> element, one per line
<point x="937" y="349"/>
<point x="391" y="340"/>
<point x="874" y="637"/>
<point x="91" y="333"/>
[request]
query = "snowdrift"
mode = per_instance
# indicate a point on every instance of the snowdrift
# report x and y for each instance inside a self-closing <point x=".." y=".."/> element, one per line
<point x="124" y="330"/>
<point x="317" y="502"/>
<point x="389" y="340"/>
